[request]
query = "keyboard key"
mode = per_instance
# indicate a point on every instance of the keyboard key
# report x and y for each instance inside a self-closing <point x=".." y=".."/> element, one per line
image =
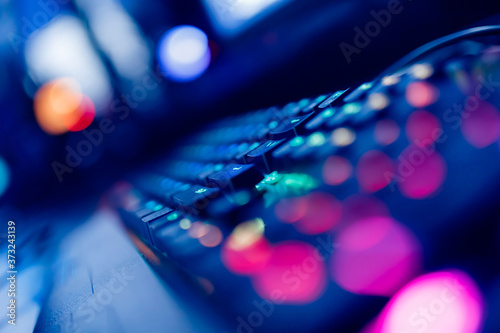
<point x="196" y="199"/>
<point x="312" y="105"/>
<point x="344" y="114"/>
<point x="262" y="154"/>
<point x="357" y="93"/>
<point x="235" y="176"/>
<point x="287" y="148"/>
<point x="146" y="220"/>
<point x="174" y="217"/>
<point x="240" y="158"/>
<point x="150" y="207"/>
<point x="290" y="127"/>
<point x="320" y="119"/>
<point x="311" y="145"/>
<point x="153" y="216"/>
<point x="176" y="242"/>
<point x="331" y="100"/>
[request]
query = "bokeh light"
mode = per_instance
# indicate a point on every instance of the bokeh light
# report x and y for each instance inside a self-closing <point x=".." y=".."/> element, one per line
<point x="386" y="132"/>
<point x="246" y="251"/>
<point x="460" y="77"/>
<point x="481" y="126"/>
<point x="336" y="170"/>
<point x="323" y="212"/>
<point x="342" y="137"/>
<point x="375" y="256"/>
<point x="422" y="173"/>
<point x="4" y="176"/>
<point x="378" y="101"/>
<point x="198" y="230"/>
<point x="361" y="206"/>
<point x="212" y="238"/>
<point x="64" y="49"/>
<point x="422" y="128"/>
<point x="390" y="80"/>
<point x="421" y="94"/>
<point x="60" y="106"/>
<point x="183" y="53"/>
<point x="446" y="301"/>
<point x="290" y="210"/>
<point x="296" y="270"/>
<point x="374" y="171"/>
<point x="422" y="71"/>
<point x="185" y="224"/>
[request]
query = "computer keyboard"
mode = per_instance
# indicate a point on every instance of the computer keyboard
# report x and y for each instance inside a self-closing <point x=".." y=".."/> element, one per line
<point x="313" y="215"/>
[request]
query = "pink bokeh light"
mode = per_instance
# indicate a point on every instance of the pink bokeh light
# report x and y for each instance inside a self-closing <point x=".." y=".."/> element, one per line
<point x="374" y="171"/>
<point x="323" y="213"/>
<point x="336" y="170"/>
<point x="361" y="206"/>
<point x="420" y="173"/>
<point x="386" y="132"/>
<point x="246" y="251"/>
<point x="446" y="301"/>
<point x="375" y="256"/>
<point x="296" y="271"/>
<point x="481" y="126"/>
<point x="422" y="128"/>
<point x="421" y="94"/>
<point x="290" y="210"/>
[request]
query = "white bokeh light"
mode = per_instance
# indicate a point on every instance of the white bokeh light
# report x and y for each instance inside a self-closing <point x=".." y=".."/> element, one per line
<point x="183" y="53"/>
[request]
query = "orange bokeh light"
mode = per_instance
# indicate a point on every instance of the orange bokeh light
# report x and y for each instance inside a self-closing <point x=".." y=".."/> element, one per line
<point x="60" y="106"/>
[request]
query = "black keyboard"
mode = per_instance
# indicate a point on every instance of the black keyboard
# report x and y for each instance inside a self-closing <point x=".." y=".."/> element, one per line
<point x="324" y="213"/>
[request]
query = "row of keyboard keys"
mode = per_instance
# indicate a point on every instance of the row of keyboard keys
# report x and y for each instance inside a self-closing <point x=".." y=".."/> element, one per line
<point x="176" y="233"/>
<point x="240" y="154"/>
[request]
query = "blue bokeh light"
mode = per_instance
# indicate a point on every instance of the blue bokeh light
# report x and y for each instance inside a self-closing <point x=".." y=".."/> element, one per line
<point x="183" y="53"/>
<point x="4" y="176"/>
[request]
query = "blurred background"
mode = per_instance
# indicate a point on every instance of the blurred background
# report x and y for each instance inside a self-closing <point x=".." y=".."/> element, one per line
<point x="89" y="89"/>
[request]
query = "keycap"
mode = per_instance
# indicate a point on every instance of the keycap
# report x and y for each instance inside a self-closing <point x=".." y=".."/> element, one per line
<point x="346" y="112"/>
<point x="357" y="93"/>
<point x="310" y="107"/>
<point x="320" y="119"/>
<point x="262" y="154"/>
<point x="240" y="158"/>
<point x="155" y="215"/>
<point x="176" y="242"/>
<point x="285" y="150"/>
<point x="236" y="176"/>
<point x="330" y="101"/>
<point x="196" y="199"/>
<point x="148" y="210"/>
<point x="144" y="211"/>
<point x="310" y="145"/>
<point x="203" y="173"/>
<point x="173" y="217"/>
<point x="146" y="220"/>
<point x="290" y="127"/>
